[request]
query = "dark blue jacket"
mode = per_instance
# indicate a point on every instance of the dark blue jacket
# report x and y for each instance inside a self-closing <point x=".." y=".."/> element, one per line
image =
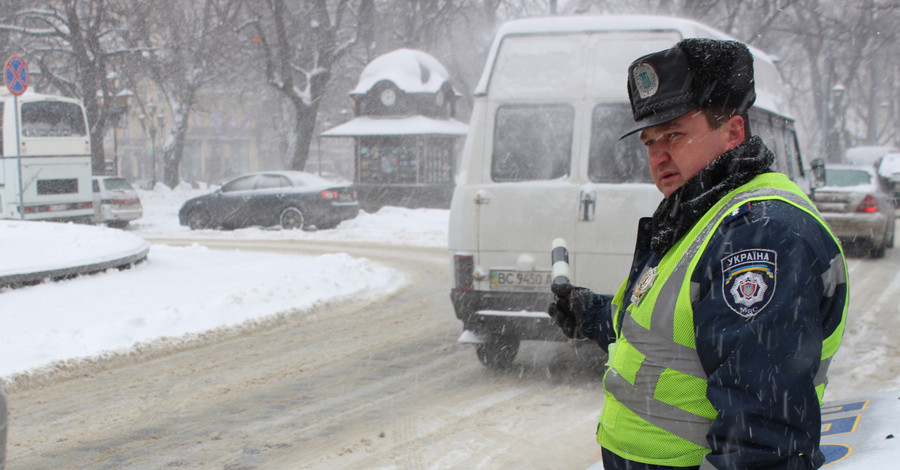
<point x="760" y="366"/>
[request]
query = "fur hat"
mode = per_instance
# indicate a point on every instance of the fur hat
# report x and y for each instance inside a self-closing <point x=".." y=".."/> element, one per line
<point x="696" y="73"/>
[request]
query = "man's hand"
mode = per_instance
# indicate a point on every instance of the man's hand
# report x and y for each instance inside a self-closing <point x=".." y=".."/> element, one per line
<point x="571" y="302"/>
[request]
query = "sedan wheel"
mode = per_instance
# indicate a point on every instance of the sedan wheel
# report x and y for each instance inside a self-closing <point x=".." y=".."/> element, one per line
<point x="890" y="242"/>
<point x="198" y="220"/>
<point x="291" y="219"/>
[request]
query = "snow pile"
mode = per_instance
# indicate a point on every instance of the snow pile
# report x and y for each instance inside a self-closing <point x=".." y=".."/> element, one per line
<point x="181" y="292"/>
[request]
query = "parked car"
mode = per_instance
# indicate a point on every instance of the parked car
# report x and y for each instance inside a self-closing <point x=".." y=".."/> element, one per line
<point x="116" y="203"/>
<point x="858" y="208"/>
<point x="290" y="199"/>
<point x="867" y="155"/>
<point x="889" y="170"/>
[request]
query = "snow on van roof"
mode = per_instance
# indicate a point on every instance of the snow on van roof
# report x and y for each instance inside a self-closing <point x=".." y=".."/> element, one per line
<point x="363" y="126"/>
<point x="768" y="78"/>
<point x="413" y="71"/>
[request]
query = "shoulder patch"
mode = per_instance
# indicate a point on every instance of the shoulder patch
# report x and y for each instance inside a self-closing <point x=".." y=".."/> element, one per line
<point x="749" y="278"/>
<point x="739" y="212"/>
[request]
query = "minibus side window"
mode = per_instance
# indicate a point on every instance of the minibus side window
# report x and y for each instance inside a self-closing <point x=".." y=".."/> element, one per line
<point x="793" y="152"/>
<point x="532" y="142"/>
<point x="612" y="160"/>
<point x="765" y="125"/>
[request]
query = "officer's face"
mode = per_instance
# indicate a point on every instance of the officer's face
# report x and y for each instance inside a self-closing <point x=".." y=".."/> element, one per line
<point x="680" y="149"/>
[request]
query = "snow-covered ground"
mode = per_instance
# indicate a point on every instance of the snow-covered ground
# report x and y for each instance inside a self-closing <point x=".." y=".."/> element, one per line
<point x="179" y="290"/>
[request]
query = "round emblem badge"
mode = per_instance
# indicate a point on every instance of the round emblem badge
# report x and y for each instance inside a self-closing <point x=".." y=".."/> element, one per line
<point x="749" y="278"/>
<point x="645" y="79"/>
<point x="749" y="289"/>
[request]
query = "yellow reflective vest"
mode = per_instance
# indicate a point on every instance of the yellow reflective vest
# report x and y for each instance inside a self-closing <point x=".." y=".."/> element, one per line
<point x="656" y="410"/>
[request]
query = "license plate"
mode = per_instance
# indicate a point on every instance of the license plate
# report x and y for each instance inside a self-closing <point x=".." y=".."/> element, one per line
<point x="511" y="280"/>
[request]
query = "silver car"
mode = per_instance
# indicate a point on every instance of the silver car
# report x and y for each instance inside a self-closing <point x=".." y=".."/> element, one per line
<point x="889" y="170"/>
<point x="858" y="207"/>
<point x="116" y="203"/>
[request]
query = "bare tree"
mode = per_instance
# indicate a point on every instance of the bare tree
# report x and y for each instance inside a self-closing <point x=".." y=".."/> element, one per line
<point x="73" y="44"/>
<point x="184" y="52"/>
<point x="299" y="43"/>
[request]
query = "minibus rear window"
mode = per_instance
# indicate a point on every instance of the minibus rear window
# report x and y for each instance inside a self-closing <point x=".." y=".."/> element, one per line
<point x="612" y="160"/>
<point x="532" y="142"/>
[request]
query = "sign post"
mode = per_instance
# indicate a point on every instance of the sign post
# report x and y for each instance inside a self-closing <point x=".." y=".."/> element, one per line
<point x="16" y="75"/>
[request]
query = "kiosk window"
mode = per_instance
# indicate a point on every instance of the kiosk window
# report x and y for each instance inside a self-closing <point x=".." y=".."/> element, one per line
<point x="388" y="161"/>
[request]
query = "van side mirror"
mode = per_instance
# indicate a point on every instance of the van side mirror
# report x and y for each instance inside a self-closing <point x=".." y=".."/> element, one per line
<point x="818" y="173"/>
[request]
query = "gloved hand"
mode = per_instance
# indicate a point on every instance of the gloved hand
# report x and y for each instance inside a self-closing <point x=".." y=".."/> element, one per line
<point x="570" y="304"/>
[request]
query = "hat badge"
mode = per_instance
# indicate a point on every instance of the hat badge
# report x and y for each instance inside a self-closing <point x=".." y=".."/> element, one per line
<point x="646" y="80"/>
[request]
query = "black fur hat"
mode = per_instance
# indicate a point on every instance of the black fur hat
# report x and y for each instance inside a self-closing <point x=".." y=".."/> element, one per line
<point x="696" y="73"/>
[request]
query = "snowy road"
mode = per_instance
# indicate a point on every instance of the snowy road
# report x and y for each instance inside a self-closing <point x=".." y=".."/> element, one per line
<point x="375" y="384"/>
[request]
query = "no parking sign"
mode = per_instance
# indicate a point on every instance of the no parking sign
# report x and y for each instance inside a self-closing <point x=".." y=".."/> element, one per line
<point x="16" y="75"/>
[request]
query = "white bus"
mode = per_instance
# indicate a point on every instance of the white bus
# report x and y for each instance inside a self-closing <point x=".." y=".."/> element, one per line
<point x="543" y="160"/>
<point x="46" y="168"/>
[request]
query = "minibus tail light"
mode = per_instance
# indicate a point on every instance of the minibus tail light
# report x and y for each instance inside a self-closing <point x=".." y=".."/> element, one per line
<point x="463" y="267"/>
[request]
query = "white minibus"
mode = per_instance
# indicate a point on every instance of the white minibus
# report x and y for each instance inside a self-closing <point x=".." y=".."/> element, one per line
<point x="543" y="160"/>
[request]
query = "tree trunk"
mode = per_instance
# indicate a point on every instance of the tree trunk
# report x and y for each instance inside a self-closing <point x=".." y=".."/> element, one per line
<point x="304" y="128"/>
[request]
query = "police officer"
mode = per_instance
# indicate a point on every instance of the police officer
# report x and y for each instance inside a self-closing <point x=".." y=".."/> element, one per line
<point x="720" y="337"/>
<point x="3" y="427"/>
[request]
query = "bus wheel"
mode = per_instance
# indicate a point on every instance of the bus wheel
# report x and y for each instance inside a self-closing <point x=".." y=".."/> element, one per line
<point x="498" y="352"/>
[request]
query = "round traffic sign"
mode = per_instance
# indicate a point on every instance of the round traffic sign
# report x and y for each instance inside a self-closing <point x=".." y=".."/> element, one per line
<point x="16" y="74"/>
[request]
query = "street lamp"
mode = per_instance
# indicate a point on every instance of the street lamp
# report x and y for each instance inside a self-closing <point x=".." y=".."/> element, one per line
<point x="152" y="128"/>
<point x="116" y="109"/>
<point x="160" y="124"/>
<point x="837" y="92"/>
<point x="120" y="108"/>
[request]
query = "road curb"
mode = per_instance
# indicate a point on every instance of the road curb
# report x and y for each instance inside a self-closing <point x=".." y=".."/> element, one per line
<point x="28" y="279"/>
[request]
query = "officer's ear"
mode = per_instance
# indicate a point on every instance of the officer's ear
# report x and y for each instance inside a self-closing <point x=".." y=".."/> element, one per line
<point x="735" y="130"/>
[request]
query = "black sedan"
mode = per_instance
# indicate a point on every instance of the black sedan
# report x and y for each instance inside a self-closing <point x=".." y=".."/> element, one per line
<point x="290" y="199"/>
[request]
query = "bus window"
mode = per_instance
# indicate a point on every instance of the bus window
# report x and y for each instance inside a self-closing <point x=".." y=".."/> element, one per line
<point x="532" y="142"/>
<point x="52" y="119"/>
<point x="612" y="160"/>
<point x="58" y="186"/>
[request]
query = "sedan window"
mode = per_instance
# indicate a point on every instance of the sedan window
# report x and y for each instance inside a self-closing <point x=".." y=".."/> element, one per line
<point x="835" y="177"/>
<point x="271" y="182"/>
<point x="241" y="184"/>
<point x="117" y="184"/>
